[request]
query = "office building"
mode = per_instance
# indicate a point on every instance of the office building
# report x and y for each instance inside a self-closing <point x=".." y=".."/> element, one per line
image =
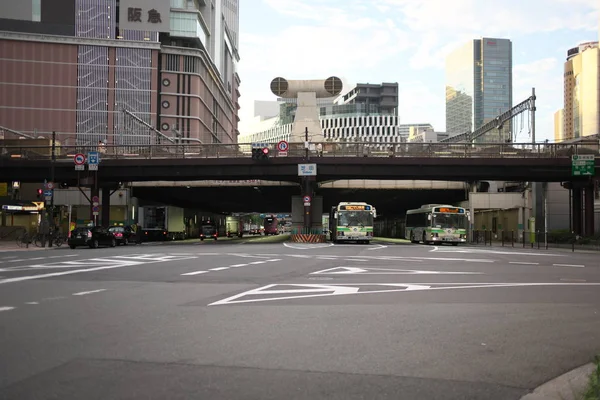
<point x="559" y="133"/>
<point x="479" y="86"/>
<point x="581" y="86"/>
<point x="122" y="72"/>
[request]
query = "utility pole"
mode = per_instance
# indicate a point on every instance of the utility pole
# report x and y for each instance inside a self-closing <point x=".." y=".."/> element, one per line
<point x="52" y="177"/>
<point x="533" y="116"/>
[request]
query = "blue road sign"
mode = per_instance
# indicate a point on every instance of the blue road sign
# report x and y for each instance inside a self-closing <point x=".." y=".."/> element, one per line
<point x="95" y="209"/>
<point x="47" y="193"/>
<point x="93" y="158"/>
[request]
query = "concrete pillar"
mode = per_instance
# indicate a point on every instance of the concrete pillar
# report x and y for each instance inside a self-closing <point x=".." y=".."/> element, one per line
<point x="588" y="218"/>
<point x="106" y="207"/>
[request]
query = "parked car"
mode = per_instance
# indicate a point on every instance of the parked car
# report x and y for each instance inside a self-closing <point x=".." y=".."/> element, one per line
<point x="123" y="234"/>
<point x="93" y="237"/>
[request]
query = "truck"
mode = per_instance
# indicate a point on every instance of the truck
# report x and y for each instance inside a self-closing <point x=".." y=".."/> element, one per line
<point x="233" y="226"/>
<point x="161" y="223"/>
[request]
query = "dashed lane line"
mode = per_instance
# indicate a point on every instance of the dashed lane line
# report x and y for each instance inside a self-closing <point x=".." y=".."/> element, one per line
<point x="195" y="273"/>
<point x="523" y="263"/>
<point x="88" y="292"/>
<point x="218" y="269"/>
<point x="569" y="265"/>
<point x="6" y="308"/>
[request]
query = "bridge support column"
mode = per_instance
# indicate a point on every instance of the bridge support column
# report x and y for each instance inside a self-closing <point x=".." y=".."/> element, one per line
<point x="588" y="218"/>
<point x="308" y="184"/>
<point x="106" y="206"/>
<point x="577" y="208"/>
<point x="94" y="192"/>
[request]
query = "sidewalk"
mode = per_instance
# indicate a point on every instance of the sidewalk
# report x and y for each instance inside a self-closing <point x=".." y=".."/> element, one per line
<point x="11" y="245"/>
<point x="569" y="386"/>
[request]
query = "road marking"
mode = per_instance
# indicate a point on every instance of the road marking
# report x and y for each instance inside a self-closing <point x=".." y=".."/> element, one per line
<point x="523" y="263"/>
<point x="32" y="302"/>
<point x="6" y="308"/>
<point x="120" y="264"/>
<point x="572" y="280"/>
<point x="339" y="289"/>
<point x="472" y="250"/>
<point x="307" y="246"/>
<point x="327" y="258"/>
<point x="380" y="246"/>
<point x="195" y="273"/>
<point x="66" y="255"/>
<point x="569" y="265"/>
<point x="386" y="271"/>
<point x="355" y="259"/>
<point x="88" y="292"/>
<point x="218" y="269"/>
<point x="238" y="265"/>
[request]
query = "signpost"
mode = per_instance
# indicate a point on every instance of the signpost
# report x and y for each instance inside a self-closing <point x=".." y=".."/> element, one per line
<point x="583" y="165"/>
<point x="283" y="147"/>
<point x="79" y="160"/>
<point x="307" y="200"/>
<point x="93" y="160"/>
<point x="307" y="169"/>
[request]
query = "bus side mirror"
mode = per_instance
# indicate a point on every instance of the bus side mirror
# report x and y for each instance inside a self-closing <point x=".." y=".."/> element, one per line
<point x="428" y="217"/>
<point x="335" y="215"/>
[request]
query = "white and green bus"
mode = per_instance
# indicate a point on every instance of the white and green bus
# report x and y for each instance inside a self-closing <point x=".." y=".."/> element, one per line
<point x="351" y="222"/>
<point x="437" y="223"/>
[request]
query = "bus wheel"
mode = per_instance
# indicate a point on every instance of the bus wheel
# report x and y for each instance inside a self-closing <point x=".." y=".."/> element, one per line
<point x="454" y="244"/>
<point x="412" y="238"/>
<point x="425" y="238"/>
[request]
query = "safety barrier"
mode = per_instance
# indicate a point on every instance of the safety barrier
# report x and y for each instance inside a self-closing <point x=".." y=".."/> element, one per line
<point x="308" y="238"/>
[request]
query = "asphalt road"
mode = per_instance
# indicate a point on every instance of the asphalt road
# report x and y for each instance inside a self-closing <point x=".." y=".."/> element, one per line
<point x="228" y="320"/>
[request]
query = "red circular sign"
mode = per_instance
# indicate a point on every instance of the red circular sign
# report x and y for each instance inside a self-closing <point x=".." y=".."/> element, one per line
<point x="79" y="159"/>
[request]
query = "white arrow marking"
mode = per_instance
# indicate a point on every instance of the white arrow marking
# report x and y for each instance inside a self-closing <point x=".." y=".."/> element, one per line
<point x="386" y="271"/>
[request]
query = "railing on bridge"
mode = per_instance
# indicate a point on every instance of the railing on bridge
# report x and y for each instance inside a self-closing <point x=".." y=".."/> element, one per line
<point x="325" y="149"/>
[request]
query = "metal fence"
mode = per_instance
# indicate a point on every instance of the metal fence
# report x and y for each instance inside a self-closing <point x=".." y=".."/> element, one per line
<point x="325" y="149"/>
<point x="535" y="240"/>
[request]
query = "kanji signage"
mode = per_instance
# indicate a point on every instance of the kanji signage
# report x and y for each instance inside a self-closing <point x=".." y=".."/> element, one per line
<point x="145" y="15"/>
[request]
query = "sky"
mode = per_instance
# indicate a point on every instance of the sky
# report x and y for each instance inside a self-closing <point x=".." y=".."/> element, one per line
<point x="406" y="41"/>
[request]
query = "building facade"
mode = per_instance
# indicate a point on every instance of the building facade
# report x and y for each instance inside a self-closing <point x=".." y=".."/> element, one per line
<point x="478" y="85"/>
<point x="120" y="72"/>
<point x="581" y="108"/>
<point x="559" y="134"/>
<point x="356" y="119"/>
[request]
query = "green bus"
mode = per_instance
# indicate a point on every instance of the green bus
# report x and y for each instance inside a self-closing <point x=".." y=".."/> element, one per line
<point x="351" y="222"/>
<point x="437" y="223"/>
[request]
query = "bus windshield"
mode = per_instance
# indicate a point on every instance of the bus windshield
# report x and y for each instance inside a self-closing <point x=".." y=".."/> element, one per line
<point x="456" y="221"/>
<point x="355" y="218"/>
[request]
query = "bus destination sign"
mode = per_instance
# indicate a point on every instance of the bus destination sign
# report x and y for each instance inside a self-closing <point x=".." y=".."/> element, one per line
<point x="453" y="210"/>
<point x="355" y="208"/>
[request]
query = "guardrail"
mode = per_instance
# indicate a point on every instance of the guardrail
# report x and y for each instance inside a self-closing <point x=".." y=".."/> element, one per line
<point x="325" y="149"/>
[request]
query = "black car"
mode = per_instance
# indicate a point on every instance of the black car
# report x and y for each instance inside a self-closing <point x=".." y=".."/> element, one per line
<point x="123" y="234"/>
<point x="93" y="237"/>
<point x="208" y="230"/>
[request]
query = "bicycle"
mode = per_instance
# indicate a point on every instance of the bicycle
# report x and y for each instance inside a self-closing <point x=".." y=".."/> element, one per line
<point x="24" y="239"/>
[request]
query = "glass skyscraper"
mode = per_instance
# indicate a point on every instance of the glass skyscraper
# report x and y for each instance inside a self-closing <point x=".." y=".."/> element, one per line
<point x="479" y="86"/>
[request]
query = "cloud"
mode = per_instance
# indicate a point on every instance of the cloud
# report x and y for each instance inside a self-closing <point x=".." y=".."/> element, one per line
<point x="443" y="25"/>
<point x="416" y="102"/>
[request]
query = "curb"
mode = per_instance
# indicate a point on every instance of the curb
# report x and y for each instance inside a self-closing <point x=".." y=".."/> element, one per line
<point x="568" y="386"/>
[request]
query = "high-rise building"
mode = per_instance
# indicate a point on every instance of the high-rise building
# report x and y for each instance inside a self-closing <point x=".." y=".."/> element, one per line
<point x="108" y="70"/>
<point x="559" y="134"/>
<point x="581" y="87"/>
<point x="478" y="86"/>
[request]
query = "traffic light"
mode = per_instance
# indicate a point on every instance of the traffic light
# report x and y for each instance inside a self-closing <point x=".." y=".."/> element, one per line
<point x="39" y="193"/>
<point x="260" y="154"/>
<point x="264" y="153"/>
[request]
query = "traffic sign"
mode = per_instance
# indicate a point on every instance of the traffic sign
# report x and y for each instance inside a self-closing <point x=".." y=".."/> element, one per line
<point x="307" y="199"/>
<point x="47" y="193"/>
<point x="583" y="165"/>
<point x="95" y="199"/>
<point x="49" y="185"/>
<point x="79" y="160"/>
<point x="307" y="169"/>
<point x="283" y="146"/>
<point x="93" y="160"/>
